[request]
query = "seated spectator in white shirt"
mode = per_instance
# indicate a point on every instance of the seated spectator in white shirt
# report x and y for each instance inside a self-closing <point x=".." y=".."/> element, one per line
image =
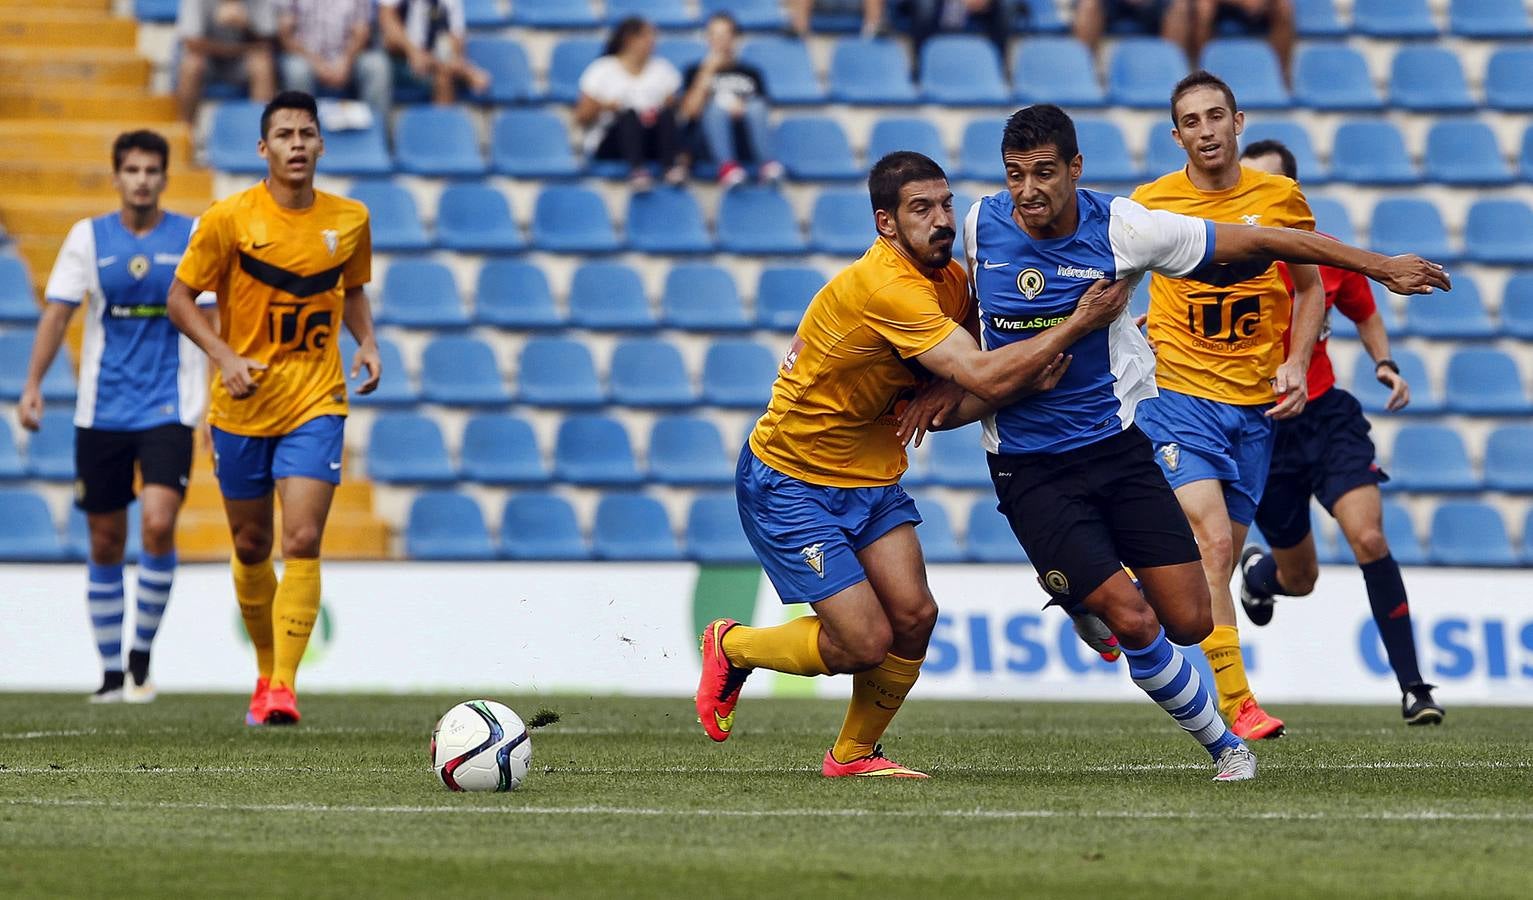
<point x="628" y="106"/>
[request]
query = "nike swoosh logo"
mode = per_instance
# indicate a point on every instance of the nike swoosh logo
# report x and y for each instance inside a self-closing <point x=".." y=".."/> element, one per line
<point x="262" y="246"/>
<point x="335" y="467"/>
<point x="1222" y="668"/>
<point x="881" y="706"/>
<point x="996" y="265"/>
<point x="724" y="722"/>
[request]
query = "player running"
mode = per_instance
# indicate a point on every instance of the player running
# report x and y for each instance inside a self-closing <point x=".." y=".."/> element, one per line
<point x="1075" y="477"/>
<point x="288" y="263"/>
<point x="1325" y="452"/>
<point x="818" y="480"/>
<point x="143" y="388"/>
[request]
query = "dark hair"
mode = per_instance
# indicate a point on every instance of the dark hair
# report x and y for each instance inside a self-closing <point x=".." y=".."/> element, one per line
<point x="896" y="170"/>
<point x="143" y="139"/>
<point x="1201" y="78"/>
<point x="724" y="16"/>
<point x="1285" y="155"/>
<point x="1041" y="125"/>
<point x="625" y="31"/>
<point x="289" y="100"/>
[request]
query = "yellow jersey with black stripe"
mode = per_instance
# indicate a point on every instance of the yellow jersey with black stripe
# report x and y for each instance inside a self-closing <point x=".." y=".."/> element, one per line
<point x="1218" y="334"/>
<point x="281" y="277"/>
<point x="834" y="407"/>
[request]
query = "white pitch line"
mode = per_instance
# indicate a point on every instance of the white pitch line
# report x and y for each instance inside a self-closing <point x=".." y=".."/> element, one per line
<point x="37" y="735"/>
<point x="804" y="813"/>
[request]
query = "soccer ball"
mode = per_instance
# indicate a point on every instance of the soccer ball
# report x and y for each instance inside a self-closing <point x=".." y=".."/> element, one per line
<point x="481" y="745"/>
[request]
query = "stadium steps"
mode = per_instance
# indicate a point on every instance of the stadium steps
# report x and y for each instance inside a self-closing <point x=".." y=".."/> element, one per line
<point x="97" y="6"/>
<point x="104" y="66"/>
<point x="101" y="104"/>
<point x="188" y="191"/>
<point x="65" y="28"/>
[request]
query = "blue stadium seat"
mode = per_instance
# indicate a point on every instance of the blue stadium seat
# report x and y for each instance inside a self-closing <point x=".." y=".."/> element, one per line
<point x="1044" y="18"/>
<point x="1485" y="382"/>
<point x="1525" y="162"/>
<point x="868" y="72"/>
<point x="702" y="297"/>
<point x="1332" y="218"/>
<point x="1334" y="77"/>
<point x="632" y="527"/>
<point x="1410" y="225"/>
<point x="395" y="389"/>
<point x="842" y="222"/>
<point x="12" y="466"/>
<point x="1162" y="153"/>
<point x="1517" y="306"/>
<point x="572" y="220"/>
<point x="714" y="532"/>
<point x="17" y="301"/>
<point x="609" y="296"/>
<point x="484" y="14"/>
<point x="501" y="449"/>
<point x="1490" y="19"/>
<point x="1056" y="70"/>
<point x="1143" y="71"/>
<point x="1371" y="152"/>
<point x="906" y="133"/>
<point x="1106" y="156"/>
<point x="1393" y="19"/>
<point x="27" y="532"/>
<point x="438" y="141"/>
<point x="1429" y="79"/>
<point x="1455" y="315"/>
<point x="531" y="143"/>
<point x="1499" y="232"/>
<point x="51" y="451"/>
<point x="786" y="68"/>
<point x="512" y="293"/>
<point x="161" y="11"/>
<point x="1293" y="135"/>
<point x="395" y="222"/>
<point x="683" y="53"/>
<point x="688" y="451"/>
<point x="1343" y="328"/>
<point x="751" y="15"/>
<point x="446" y="525"/>
<point x="962" y="70"/>
<point x="1507" y="85"/>
<point x="667" y="220"/>
<point x="15" y="354"/>
<point x="939" y="544"/>
<point x="990" y="538"/>
<point x="738" y="373"/>
<point x="1509" y="459"/>
<point x="356" y="151"/>
<point x="814" y="148"/>
<point x="1430" y="458"/>
<point x="1317" y="18"/>
<point x="1467" y="533"/>
<point x="662" y="13"/>
<point x="1251" y="70"/>
<point x="539" y="525"/>
<point x="783" y="293"/>
<point x="566" y="64"/>
<point x="1465" y="153"/>
<point x="758" y="220"/>
<point x="461" y="371"/>
<point x="594" y="450"/>
<point x="957" y="459"/>
<point x="77" y="535"/>
<point x="649" y="372"/>
<point x="421" y="293"/>
<point x="1374" y="396"/>
<point x="232" y="138"/>
<point x="475" y="218"/>
<point x="554" y="14"/>
<point x="558" y="372"/>
<point x="979" y="156"/>
<point x="406" y="447"/>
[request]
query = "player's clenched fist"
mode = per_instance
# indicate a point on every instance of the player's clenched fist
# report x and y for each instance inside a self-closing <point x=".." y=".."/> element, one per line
<point x="239" y="376"/>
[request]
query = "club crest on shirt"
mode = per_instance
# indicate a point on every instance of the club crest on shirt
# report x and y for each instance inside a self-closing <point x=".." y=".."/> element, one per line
<point x="1172" y="454"/>
<point x="332" y="239"/>
<point x="814" y="555"/>
<point x="1030" y="282"/>
<point x="138" y="267"/>
<point x="1056" y="582"/>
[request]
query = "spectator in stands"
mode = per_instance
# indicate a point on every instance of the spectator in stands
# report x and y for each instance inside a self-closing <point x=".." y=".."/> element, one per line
<point x="724" y="106"/>
<point x="228" y="41"/>
<point x="799" y="12"/>
<point x="1274" y="18"/>
<point x="425" y="40"/>
<point x="1171" y="19"/>
<point x="325" y="49"/>
<point x="627" y="105"/>
<point x="928" y="17"/>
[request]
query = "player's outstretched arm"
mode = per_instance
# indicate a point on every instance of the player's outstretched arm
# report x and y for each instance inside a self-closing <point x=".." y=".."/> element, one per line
<point x="1403" y="274"/>
<point x="238" y="373"/>
<point x="358" y="316"/>
<point x="45" y="347"/>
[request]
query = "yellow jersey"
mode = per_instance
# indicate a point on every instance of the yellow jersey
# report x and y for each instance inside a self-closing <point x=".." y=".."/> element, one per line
<point x="1222" y="340"/>
<point x="281" y="277"/>
<point x="834" y="407"/>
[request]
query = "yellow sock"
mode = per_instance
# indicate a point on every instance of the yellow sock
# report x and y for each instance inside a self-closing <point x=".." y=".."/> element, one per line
<point x="876" y="697"/>
<point x="1223" y="651"/>
<point x="254" y="587"/>
<point x="293" y="614"/>
<point x="792" y="647"/>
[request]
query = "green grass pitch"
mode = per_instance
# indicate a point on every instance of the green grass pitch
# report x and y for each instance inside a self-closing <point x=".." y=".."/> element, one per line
<point x="627" y="798"/>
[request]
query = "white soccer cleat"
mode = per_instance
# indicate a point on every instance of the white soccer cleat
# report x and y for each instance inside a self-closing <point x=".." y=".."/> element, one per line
<point x="106" y="694"/>
<point x="138" y="693"/>
<point x="1236" y="764"/>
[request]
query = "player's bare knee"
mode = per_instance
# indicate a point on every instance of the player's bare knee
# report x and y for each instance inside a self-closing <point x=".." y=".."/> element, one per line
<point x="107" y="543"/>
<point x="916" y="622"/>
<point x="1300" y="580"/>
<point x="1369" y="545"/>
<point x="159" y="531"/>
<point x="1218" y="551"/>
<point x="1189" y="626"/>
<point x="252" y="545"/>
<point x="301" y="541"/>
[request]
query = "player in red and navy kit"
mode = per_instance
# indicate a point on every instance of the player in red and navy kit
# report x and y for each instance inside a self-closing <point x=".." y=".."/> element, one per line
<point x="1325" y="453"/>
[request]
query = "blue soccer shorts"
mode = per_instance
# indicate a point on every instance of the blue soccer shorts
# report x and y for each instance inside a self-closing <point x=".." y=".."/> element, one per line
<point x="248" y="467"/>
<point x="1200" y="440"/>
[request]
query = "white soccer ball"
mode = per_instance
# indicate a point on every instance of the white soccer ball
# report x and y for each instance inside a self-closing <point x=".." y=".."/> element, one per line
<point x="481" y="745"/>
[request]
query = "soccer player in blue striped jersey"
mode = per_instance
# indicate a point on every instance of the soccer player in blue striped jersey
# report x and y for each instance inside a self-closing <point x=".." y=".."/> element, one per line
<point x="143" y="388"/>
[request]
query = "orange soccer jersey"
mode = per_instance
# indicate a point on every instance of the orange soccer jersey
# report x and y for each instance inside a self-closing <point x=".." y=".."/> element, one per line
<point x="1216" y="340"/>
<point x="832" y="417"/>
<point x="281" y="277"/>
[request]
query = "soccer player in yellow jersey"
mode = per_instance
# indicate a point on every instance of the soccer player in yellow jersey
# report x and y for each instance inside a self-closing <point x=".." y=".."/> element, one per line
<point x="288" y="264"/>
<point x="818" y="480"/>
<point x="1220" y="361"/>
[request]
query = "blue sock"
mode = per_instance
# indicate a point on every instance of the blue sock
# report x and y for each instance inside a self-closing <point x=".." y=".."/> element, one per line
<point x="155" y="574"/>
<point x="1164" y="673"/>
<point x="103" y="597"/>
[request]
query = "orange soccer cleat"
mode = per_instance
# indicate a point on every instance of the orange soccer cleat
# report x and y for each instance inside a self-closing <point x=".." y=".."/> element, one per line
<point x="1252" y="723"/>
<point x="719" y="688"/>
<point x="281" y="707"/>
<point x="257" y="713"/>
<point x="876" y="766"/>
